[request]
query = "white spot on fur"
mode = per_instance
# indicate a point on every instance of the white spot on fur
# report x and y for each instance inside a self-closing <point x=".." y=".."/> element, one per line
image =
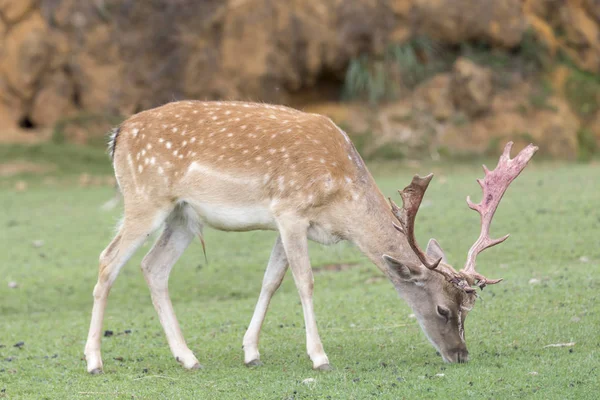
<point x="148" y="146"/>
<point x="168" y="144"/>
<point x="160" y="140"/>
<point x="135" y="132"/>
<point x="140" y="168"/>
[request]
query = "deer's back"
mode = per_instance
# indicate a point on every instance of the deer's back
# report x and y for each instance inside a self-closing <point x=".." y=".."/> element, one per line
<point x="235" y="154"/>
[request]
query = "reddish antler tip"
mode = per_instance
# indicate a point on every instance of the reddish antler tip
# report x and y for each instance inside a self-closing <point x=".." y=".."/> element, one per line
<point x="494" y="242"/>
<point x="494" y="281"/>
<point x="507" y="149"/>
<point x="472" y="205"/>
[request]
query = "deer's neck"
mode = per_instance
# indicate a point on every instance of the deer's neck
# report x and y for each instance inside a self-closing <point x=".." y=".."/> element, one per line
<point x="375" y="235"/>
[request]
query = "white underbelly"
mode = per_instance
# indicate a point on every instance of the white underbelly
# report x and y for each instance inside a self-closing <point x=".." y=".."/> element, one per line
<point x="235" y="218"/>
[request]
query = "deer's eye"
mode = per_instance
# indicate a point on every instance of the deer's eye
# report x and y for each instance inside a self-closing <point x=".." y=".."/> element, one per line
<point x="443" y="312"/>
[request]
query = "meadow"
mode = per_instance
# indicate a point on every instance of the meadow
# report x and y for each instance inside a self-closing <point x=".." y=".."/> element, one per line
<point x="52" y="232"/>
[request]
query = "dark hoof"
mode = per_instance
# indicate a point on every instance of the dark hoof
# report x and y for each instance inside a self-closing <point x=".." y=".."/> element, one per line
<point x="254" y="363"/>
<point x="96" y="371"/>
<point x="324" y="367"/>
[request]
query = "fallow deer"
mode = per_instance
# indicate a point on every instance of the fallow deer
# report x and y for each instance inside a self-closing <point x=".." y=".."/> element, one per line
<point x="239" y="166"/>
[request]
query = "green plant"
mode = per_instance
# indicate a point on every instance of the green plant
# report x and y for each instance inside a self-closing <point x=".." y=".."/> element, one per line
<point x="534" y="54"/>
<point x="540" y="94"/>
<point x="586" y="145"/>
<point x="378" y="79"/>
<point x="582" y="91"/>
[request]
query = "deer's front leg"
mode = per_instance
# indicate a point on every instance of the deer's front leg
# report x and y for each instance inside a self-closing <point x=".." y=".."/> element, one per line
<point x="295" y="242"/>
<point x="272" y="280"/>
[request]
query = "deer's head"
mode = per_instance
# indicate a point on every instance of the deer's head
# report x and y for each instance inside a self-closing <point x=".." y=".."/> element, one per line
<point x="440" y="296"/>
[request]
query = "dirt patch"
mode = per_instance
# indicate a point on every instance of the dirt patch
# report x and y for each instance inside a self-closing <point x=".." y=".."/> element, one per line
<point x="23" y="167"/>
<point x="334" y="267"/>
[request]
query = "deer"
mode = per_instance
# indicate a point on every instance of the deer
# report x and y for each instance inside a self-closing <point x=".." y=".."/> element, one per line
<point x="240" y="166"/>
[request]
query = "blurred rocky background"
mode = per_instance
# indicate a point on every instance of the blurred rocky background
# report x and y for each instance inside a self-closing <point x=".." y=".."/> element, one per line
<point x="406" y="78"/>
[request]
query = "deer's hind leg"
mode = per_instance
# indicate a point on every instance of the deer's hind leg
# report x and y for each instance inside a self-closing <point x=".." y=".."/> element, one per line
<point x="138" y="224"/>
<point x="157" y="265"/>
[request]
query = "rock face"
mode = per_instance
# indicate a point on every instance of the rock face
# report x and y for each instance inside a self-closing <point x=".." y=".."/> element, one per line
<point x="500" y="23"/>
<point x="572" y="26"/>
<point x="471" y="87"/>
<point x="60" y="59"/>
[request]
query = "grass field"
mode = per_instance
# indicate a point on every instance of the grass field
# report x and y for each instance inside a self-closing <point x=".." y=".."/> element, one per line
<point x="551" y="294"/>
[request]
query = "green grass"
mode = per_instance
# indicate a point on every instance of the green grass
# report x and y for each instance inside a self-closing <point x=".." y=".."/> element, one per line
<point x="376" y="349"/>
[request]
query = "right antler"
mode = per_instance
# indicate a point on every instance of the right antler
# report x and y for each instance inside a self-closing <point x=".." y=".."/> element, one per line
<point x="494" y="185"/>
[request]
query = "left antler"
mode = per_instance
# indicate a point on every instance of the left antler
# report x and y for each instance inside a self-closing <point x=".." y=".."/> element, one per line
<point x="412" y="195"/>
<point x="494" y="184"/>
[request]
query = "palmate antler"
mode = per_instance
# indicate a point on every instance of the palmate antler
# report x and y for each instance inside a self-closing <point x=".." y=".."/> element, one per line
<point x="494" y="184"/>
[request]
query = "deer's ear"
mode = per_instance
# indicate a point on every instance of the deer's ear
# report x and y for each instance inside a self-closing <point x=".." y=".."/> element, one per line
<point x="402" y="270"/>
<point x="434" y="250"/>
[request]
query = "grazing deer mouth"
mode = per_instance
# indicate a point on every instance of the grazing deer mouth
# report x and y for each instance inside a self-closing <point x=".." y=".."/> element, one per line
<point x="460" y="356"/>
